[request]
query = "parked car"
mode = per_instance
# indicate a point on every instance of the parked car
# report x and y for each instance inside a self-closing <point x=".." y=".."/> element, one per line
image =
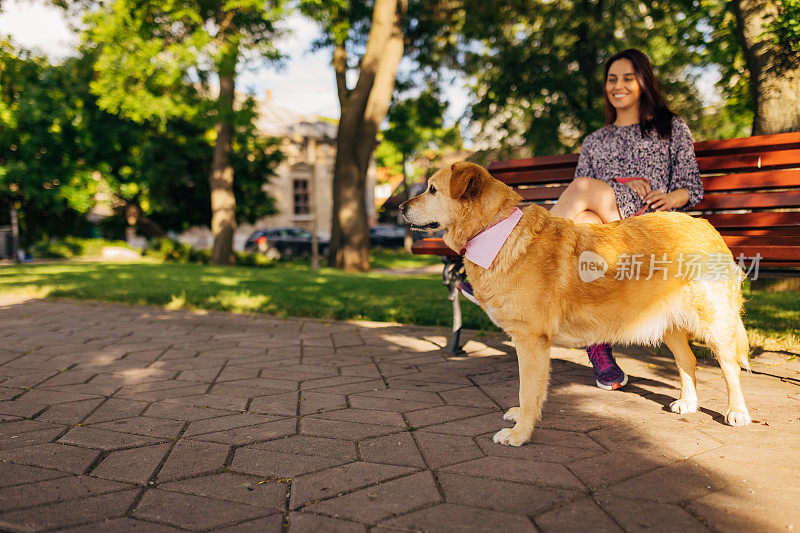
<point x="387" y="236"/>
<point x="283" y="242"/>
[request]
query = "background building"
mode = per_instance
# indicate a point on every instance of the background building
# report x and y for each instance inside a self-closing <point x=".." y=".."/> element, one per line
<point x="302" y="184"/>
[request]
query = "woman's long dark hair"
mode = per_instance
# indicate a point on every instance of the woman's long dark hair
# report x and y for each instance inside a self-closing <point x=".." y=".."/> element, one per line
<point x="653" y="111"/>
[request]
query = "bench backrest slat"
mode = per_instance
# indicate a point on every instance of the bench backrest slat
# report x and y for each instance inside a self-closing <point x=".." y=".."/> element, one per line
<point x="779" y="141"/>
<point x="749" y="200"/>
<point x="774" y="179"/>
<point x="750" y="161"/>
<point x="725" y="221"/>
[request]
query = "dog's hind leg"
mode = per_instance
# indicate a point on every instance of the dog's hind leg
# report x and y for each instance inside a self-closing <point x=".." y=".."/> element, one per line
<point x="732" y="351"/>
<point x="533" y="356"/>
<point x="677" y="340"/>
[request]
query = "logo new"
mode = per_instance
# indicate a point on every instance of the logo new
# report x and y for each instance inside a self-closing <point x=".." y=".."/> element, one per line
<point x="591" y="266"/>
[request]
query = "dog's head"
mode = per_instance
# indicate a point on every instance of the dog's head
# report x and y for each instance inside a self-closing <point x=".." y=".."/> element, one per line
<point x="461" y="199"/>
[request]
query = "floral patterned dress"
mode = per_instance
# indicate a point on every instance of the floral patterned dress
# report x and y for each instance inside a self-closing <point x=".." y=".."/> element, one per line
<point x="614" y="153"/>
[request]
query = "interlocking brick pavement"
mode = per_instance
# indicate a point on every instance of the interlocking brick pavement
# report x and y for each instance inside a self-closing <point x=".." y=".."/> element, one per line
<point x="117" y="418"/>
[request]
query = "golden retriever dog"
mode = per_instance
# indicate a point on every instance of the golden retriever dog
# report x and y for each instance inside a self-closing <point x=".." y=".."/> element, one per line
<point x="663" y="276"/>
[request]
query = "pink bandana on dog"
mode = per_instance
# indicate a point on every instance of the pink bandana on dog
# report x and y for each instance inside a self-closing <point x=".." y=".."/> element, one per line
<point x="484" y="247"/>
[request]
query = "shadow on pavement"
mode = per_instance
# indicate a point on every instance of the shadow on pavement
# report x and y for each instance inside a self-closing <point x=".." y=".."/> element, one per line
<point x="120" y="418"/>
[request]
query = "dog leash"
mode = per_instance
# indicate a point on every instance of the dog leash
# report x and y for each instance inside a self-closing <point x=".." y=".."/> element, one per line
<point x="645" y="207"/>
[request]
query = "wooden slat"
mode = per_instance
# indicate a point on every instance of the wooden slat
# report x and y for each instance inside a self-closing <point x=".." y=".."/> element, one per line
<point x="779" y="141"/>
<point x="751" y="161"/>
<point x="759" y="240"/>
<point x="525" y="177"/>
<point x="431" y="247"/>
<point x="752" y="180"/>
<point x="756" y="200"/>
<point x="786" y="253"/>
<point x="724" y="147"/>
<point x="536" y="163"/>
<point x="784" y="266"/>
<point x="754" y="220"/>
<point x="535" y="194"/>
<point x="761" y="231"/>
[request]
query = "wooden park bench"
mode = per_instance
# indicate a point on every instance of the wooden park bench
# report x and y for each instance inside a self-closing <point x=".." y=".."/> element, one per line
<point x="752" y="197"/>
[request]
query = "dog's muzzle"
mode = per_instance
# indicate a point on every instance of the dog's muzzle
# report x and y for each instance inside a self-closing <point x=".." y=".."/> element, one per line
<point x="429" y="226"/>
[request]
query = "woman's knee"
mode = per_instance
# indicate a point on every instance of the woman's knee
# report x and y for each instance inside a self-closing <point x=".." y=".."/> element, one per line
<point x="585" y="184"/>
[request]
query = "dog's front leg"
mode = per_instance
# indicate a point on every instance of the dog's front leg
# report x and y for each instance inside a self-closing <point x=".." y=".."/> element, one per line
<point x="533" y="356"/>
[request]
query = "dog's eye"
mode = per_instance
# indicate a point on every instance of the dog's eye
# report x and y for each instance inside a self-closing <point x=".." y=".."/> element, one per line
<point x="432" y="189"/>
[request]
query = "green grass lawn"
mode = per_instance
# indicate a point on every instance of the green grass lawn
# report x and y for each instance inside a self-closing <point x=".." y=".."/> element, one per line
<point x="285" y="289"/>
<point x="292" y="289"/>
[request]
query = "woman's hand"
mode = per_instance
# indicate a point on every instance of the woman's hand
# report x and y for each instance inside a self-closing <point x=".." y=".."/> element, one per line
<point x="658" y="200"/>
<point x="640" y="187"/>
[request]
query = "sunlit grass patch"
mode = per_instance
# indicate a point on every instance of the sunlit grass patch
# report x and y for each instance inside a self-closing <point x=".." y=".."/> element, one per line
<point x="293" y="289"/>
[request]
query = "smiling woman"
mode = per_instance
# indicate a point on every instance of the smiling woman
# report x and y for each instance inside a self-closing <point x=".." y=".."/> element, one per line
<point x="642" y="160"/>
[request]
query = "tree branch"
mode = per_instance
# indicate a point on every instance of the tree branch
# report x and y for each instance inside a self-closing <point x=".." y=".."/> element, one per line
<point x="386" y="28"/>
<point x="340" y="66"/>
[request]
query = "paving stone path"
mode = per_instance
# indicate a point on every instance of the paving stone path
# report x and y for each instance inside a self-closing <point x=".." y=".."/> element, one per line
<point x="119" y="418"/>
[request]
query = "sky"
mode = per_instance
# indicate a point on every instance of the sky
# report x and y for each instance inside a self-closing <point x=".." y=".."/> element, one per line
<point x="304" y="84"/>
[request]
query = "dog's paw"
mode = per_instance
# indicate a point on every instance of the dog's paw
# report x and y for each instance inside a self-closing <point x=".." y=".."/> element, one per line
<point x="683" y="406"/>
<point x="512" y="414"/>
<point x="510" y="437"/>
<point x="737" y="418"/>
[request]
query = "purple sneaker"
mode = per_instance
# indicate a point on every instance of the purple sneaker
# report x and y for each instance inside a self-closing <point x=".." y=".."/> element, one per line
<point x="607" y="374"/>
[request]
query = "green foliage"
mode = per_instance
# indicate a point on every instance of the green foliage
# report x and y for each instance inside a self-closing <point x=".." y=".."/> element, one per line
<point x="167" y="249"/>
<point x="58" y="149"/>
<point x="726" y="120"/>
<point x="42" y="144"/>
<point x="69" y="247"/>
<point x="155" y="58"/>
<point x="733" y="117"/>
<point x="785" y="29"/>
<point x="140" y="73"/>
<point x="416" y="123"/>
<point x="388" y="156"/>
<point x="170" y="250"/>
<point x="253" y="259"/>
<point x="536" y="66"/>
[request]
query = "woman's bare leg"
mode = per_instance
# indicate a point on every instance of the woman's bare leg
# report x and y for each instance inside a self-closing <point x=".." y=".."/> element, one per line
<point x="587" y="194"/>
<point x="587" y="217"/>
<point x="593" y="201"/>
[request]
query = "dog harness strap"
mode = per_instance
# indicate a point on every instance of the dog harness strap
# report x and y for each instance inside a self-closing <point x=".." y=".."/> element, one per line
<point x="484" y="247"/>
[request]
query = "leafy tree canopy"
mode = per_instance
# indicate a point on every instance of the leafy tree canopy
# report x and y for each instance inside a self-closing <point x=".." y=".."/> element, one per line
<point x="416" y="124"/>
<point x="58" y="149"/>
<point x="156" y="58"/>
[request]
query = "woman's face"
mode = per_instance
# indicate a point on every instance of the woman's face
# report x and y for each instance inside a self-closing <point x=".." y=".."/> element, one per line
<point x="621" y="86"/>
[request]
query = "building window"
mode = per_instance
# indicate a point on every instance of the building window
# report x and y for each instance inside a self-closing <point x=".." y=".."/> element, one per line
<point x="301" y="197"/>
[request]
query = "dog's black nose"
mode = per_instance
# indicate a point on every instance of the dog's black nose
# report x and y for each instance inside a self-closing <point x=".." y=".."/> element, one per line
<point x="403" y="208"/>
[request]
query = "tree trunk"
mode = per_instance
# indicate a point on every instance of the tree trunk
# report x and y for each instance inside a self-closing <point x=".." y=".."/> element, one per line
<point x="774" y="82"/>
<point x="362" y="110"/>
<point x="223" y="202"/>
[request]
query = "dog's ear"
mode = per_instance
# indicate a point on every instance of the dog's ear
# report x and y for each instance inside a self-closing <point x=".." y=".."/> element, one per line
<point x="466" y="180"/>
